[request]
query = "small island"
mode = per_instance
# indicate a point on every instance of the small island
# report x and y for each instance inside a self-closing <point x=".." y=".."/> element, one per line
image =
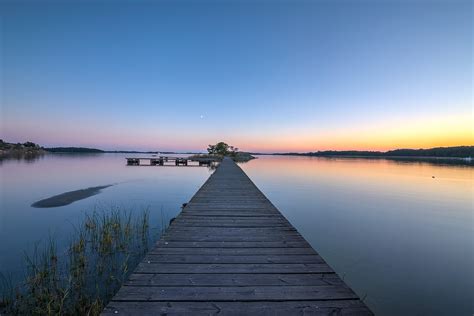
<point x="221" y="150"/>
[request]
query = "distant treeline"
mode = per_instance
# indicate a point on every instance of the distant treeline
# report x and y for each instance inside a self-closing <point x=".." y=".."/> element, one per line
<point x="73" y="150"/>
<point x="95" y="150"/>
<point x="451" y="152"/>
<point x="460" y="151"/>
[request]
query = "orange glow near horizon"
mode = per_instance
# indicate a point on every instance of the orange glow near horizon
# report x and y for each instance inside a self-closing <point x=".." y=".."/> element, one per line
<point x="378" y="136"/>
<point x="447" y="132"/>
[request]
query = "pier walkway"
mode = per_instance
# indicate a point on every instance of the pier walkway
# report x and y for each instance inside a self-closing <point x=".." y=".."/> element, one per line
<point x="231" y="252"/>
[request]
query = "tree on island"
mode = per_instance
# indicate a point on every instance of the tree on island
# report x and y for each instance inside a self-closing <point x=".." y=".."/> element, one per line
<point x="222" y="149"/>
<point x="31" y="145"/>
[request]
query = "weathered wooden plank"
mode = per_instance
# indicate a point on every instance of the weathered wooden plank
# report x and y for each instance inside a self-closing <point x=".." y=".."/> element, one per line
<point x="190" y="234"/>
<point x="210" y="232"/>
<point x="234" y="251"/>
<point x="213" y="207"/>
<point x="254" y="220"/>
<point x="265" y="211"/>
<point x="285" y="308"/>
<point x="194" y="237"/>
<point x="240" y="230"/>
<point x="230" y="211"/>
<point x="248" y="221"/>
<point x="236" y="223"/>
<point x="247" y="293"/>
<point x="233" y="244"/>
<point x="233" y="204"/>
<point x="298" y="268"/>
<point x="172" y="258"/>
<point x="230" y="214"/>
<point x="184" y="235"/>
<point x="232" y="238"/>
<point x="224" y="207"/>
<point x="230" y="279"/>
<point x="249" y="199"/>
<point x="231" y="225"/>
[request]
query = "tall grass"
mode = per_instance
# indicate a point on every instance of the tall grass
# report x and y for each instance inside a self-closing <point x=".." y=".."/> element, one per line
<point x="80" y="281"/>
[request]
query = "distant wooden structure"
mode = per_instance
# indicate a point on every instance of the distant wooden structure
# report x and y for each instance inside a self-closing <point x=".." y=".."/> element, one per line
<point x="230" y="251"/>
<point x="170" y="161"/>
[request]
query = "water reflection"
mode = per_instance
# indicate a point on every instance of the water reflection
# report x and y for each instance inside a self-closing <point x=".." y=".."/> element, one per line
<point x="396" y="234"/>
<point x="438" y="161"/>
<point x="27" y="157"/>
<point x="432" y="161"/>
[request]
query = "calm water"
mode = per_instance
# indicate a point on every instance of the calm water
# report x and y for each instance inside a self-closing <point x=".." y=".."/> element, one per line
<point x="398" y="236"/>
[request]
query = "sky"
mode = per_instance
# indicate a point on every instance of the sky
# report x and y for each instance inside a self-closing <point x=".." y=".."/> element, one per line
<point x="266" y="76"/>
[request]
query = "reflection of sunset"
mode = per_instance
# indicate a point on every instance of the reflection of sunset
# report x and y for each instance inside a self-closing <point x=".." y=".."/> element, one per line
<point x="412" y="176"/>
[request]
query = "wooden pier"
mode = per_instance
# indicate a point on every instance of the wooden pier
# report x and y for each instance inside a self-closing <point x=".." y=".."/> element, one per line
<point x="231" y="252"/>
<point x="170" y="161"/>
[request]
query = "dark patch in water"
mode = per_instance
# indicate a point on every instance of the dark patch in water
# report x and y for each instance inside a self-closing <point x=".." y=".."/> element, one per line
<point x="69" y="197"/>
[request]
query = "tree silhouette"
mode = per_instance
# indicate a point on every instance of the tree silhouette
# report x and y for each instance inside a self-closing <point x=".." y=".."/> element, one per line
<point x="222" y="149"/>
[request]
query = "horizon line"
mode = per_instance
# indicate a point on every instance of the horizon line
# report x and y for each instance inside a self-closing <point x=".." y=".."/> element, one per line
<point x="262" y="152"/>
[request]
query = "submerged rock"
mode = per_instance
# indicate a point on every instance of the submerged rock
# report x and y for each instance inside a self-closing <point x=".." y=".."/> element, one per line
<point x="69" y="197"/>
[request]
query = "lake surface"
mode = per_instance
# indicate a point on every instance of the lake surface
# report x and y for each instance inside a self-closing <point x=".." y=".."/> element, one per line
<point x="400" y="233"/>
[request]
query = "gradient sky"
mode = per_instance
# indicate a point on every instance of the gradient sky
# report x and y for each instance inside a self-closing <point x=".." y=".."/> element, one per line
<point x="261" y="75"/>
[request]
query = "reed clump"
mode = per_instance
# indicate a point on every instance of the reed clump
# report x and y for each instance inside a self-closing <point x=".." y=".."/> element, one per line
<point x="80" y="281"/>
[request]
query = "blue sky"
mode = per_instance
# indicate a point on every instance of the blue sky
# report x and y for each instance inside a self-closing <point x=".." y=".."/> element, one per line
<point x="263" y="75"/>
